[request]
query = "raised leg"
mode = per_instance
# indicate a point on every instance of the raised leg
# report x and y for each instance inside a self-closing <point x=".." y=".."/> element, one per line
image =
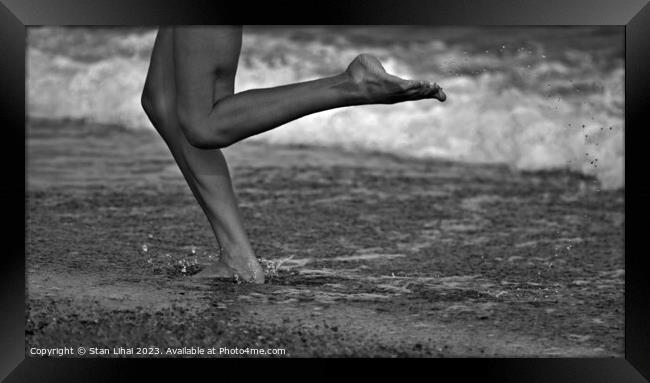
<point x="213" y="116"/>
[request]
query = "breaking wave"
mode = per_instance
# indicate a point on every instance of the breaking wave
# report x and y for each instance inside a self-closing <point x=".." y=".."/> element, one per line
<point x="531" y="98"/>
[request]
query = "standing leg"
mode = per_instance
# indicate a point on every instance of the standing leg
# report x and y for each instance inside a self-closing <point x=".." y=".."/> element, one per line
<point x="205" y="171"/>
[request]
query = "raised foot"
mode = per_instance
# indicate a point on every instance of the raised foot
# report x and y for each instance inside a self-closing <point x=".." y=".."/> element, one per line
<point x="379" y="87"/>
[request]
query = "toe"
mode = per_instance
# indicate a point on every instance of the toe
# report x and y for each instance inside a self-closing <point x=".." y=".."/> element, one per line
<point x="436" y="91"/>
<point x="414" y="85"/>
<point x="440" y="95"/>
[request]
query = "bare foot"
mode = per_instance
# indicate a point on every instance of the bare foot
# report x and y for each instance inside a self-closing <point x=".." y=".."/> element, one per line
<point x="379" y="87"/>
<point x="217" y="270"/>
<point x="245" y="266"/>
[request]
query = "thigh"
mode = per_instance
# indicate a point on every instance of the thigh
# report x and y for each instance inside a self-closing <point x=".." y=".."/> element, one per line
<point x="161" y="86"/>
<point x="205" y="63"/>
<point x="194" y="66"/>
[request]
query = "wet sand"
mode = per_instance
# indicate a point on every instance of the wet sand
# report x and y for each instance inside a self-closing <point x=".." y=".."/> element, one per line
<point x="377" y="255"/>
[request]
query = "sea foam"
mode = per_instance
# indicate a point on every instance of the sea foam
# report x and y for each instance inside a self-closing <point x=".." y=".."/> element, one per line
<point x="532" y="105"/>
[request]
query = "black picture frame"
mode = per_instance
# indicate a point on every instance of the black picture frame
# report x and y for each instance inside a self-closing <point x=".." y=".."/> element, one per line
<point x="634" y="15"/>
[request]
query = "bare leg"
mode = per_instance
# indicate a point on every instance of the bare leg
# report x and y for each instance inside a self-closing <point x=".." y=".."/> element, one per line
<point x="205" y="171"/>
<point x="189" y="97"/>
<point x="212" y="116"/>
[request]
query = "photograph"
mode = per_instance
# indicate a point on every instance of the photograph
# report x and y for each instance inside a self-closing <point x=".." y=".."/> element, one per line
<point x="285" y="191"/>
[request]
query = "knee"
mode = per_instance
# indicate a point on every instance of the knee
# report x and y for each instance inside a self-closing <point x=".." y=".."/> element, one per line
<point x="152" y="103"/>
<point x="195" y="130"/>
<point x="201" y="134"/>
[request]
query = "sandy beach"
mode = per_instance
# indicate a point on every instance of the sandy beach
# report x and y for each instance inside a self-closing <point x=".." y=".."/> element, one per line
<point x="368" y="254"/>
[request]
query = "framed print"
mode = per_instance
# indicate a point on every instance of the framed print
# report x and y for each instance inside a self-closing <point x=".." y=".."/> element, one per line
<point x="455" y="183"/>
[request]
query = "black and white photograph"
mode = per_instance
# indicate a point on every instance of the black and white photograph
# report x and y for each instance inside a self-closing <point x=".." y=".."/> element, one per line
<point x="210" y="191"/>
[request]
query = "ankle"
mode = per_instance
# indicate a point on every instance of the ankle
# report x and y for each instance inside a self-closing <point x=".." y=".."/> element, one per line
<point x="233" y="252"/>
<point x="351" y="90"/>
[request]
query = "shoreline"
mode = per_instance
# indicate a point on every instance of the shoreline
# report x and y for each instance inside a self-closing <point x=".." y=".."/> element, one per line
<point x="355" y="156"/>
